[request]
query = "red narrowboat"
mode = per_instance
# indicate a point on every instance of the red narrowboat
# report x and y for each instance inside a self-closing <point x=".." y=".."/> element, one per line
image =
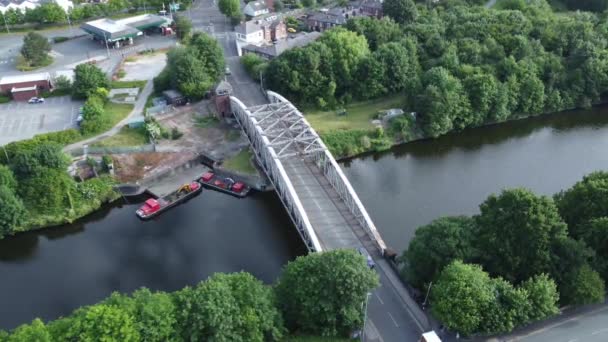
<point x="153" y="207"/>
<point x="224" y="184"/>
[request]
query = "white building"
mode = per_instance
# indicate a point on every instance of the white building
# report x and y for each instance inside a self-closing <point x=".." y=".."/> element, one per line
<point x="250" y="32"/>
<point x="23" y="5"/>
<point x="256" y="8"/>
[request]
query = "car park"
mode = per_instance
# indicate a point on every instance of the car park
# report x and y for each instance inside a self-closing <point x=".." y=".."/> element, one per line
<point x="36" y="100"/>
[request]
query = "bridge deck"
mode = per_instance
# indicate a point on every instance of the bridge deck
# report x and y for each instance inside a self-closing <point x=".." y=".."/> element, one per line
<point x="334" y="224"/>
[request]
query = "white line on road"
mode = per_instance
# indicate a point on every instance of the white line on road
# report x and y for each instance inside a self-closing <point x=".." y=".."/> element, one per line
<point x="574" y="340"/>
<point x="393" y="319"/>
<point x="599" y="331"/>
<point x="380" y="299"/>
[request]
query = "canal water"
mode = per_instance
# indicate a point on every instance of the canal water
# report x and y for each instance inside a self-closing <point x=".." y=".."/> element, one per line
<point x="51" y="272"/>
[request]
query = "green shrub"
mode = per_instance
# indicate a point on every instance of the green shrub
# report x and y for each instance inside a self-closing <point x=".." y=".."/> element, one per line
<point x="4" y="99"/>
<point x="162" y="81"/>
<point x="60" y="39"/>
<point x="175" y="133"/>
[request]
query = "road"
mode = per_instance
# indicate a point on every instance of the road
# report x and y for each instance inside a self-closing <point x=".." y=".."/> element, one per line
<point x="579" y="325"/>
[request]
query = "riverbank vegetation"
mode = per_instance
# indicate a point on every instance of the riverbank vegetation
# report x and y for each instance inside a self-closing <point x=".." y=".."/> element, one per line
<point x="517" y="260"/>
<point x="37" y="191"/>
<point x="454" y="64"/>
<point x="228" y="307"/>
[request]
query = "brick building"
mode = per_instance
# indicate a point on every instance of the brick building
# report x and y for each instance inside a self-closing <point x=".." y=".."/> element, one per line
<point x="23" y="87"/>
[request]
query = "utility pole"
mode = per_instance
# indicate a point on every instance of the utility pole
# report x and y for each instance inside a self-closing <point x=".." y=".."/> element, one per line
<point x="67" y="15"/>
<point x="427" y="295"/>
<point x="5" y="23"/>
<point x="106" y="40"/>
<point x="365" y="315"/>
<point x="261" y="80"/>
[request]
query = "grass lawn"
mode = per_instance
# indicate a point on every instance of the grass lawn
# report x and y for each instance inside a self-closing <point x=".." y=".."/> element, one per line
<point x="128" y="84"/>
<point x="241" y="163"/>
<point x="126" y="137"/>
<point x="24" y="65"/>
<point x="359" y="115"/>
<point x="114" y="113"/>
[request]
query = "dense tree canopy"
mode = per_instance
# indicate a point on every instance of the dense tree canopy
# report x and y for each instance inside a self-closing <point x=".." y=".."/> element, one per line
<point x="403" y="11"/>
<point x="35" y="48"/>
<point x="229" y="307"/>
<point x="516" y="231"/>
<point x="310" y="306"/>
<point x="436" y="245"/>
<point x="107" y="321"/>
<point x="35" y="331"/>
<point x="467" y="300"/>
<point x="195" y="68"/>
<point x="12" y="211"/>
<point x="87" y="79"/>
<point x="585" y="200"/>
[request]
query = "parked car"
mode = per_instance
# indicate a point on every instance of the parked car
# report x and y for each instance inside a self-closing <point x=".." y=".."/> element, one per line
<point x="36" y="100"/>
<point x="370" y="262"/>
<point x="228" y="72"/>
<point x="291" y="30"/>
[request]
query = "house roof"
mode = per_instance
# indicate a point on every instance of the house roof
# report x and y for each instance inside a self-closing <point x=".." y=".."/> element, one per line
<point x="329" y="18"/>
<point x="257" y="6"/>
<point x="15" y="79"/>
<point x="282" y="45"/>
<point x="248" y="27"/>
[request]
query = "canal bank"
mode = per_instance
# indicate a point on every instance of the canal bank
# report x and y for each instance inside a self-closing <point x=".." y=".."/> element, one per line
<point x="50" y="272"/>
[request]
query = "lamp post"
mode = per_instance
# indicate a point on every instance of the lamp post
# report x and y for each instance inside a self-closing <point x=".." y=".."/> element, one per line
<point x="5" y="23"/>
<point x="427" y="295"/>
<point x="67" y="15"/>
<point x="365" y="315"/>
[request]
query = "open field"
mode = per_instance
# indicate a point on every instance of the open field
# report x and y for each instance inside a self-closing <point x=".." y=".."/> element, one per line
<point x="359" y="115"/>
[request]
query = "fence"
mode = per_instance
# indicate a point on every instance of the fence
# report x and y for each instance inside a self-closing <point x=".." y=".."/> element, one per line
<point x="78" y="152"/>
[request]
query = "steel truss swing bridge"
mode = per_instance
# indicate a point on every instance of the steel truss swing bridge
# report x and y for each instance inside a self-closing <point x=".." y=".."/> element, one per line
<point x="317" y="195"/>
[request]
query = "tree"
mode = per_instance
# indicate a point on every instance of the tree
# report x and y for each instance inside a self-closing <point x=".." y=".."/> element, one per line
<point x="278" y="6"/>
<point x="347" y="49"/>
<point x="154" y="314"/>
<point x="436" y="245"/>
<point x="595" y="235"/>
<point x="35" y="49"/>
<point x="208" y="50"/>
<point x="253" y="64"/>
<point x="51" y="12"/>
<point x="308" y="304"/>
<point x="482" y="89"/>
<point x="376" y="31"/>
<point x="460" y="297"/>
<point x="62" y="83"/>
<point x="47" y="190"/>
<point x="7" y="178"/>
<point x="229" y="307"/>
<point x="402" y="70"/>
<point x="12" y="211"/>
<point x="36" y="331"/>
<point x="93" y="113"/>
<point x="230" y="8"/>
<point x="542" y="297"/>
<point x="443" y="104"/>
<point x="516" y="230"/>
<point x="87" y="78"/>
<point x="508" y="309"/>
<point x="585" y="286"/>
<point x="585" y="200"/>
<point x="189" y="74"/>
<point x="402" y="11"/>
<point x="107" y="321"/>
<point x="183" y="27"/>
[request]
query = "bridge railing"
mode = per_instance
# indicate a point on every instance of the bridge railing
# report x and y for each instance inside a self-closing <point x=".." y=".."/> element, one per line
<point x="333" y="172"/>
<point x="268" y="160"/>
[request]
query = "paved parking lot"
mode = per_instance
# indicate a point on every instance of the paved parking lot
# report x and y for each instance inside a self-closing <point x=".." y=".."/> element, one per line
<point x="21" y="120"/>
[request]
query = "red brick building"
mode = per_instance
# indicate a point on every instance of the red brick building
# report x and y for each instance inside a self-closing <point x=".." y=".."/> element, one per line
<point x="23" y="87"/>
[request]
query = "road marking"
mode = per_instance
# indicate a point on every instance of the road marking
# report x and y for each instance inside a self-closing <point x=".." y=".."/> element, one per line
<point x="393" y="319"/>
<point x="574" y="340"/>
<point x="380" y="299"/>
<point x="599" y="331"/>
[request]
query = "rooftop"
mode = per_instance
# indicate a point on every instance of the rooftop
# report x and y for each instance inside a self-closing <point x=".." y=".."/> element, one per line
<point x="282" y="45"/>
<point x="113" y="29"/>
<point x="257" y="5"/>
<point x="25" y="78"/>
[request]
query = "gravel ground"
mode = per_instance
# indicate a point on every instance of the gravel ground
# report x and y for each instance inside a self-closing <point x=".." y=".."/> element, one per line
<point x="145" y="67"/>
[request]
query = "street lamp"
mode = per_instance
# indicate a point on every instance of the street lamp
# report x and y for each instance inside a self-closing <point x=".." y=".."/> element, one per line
<point x="5" y="23"/>
<point x="106" y="40"/>
<point x="365" y="314"/>
<point x="67" y="15"/>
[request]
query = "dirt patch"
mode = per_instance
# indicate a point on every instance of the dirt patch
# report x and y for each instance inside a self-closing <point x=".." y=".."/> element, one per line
<point x="203" y="134"/>
<point x="143" y="67"/>
<point x="137" y="166"/>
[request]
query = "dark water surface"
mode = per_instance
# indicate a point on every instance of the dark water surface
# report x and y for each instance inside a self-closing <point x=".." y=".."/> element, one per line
<point x="415" y="183"/>
<point x="51" y="272"/>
